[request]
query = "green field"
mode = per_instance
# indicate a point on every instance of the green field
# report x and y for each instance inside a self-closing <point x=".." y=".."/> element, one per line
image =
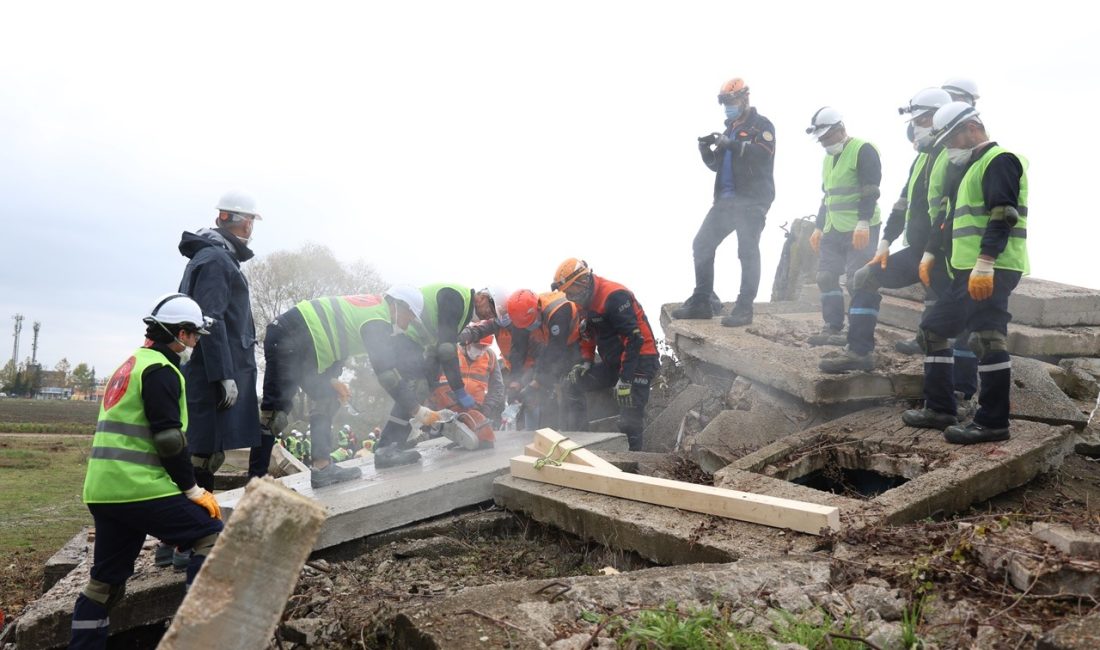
<point x="47" y="416"/>
<point x="40" y="508"/>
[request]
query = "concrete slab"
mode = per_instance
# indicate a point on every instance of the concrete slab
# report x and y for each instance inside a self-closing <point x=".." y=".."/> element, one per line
<point x="239" y="595"/>
<point x="1035" y="396"/>
<point x="152" y="596"/>
<point x="661" y="434"/>
<point x="939" y="477"/>
<point x="1024" y="340"/>
<point x="1079" y="634"/>
<point x="772" y="351"/>
<point x="531" y="614"/>
<point x="444" y="480"/>
<point x="733" y="434"/>
<point x="67" y="558"/>
<point x="662" y="535"/>
<point x="1039" y="303"/>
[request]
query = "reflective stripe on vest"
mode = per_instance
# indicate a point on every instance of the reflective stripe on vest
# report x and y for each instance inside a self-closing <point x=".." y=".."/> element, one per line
<point x="842" y="193"/>
<point x="970" y="218"/>
<point x="427" y="330"/>
<point x="124" y="466"/>
<point x="335" y="325"/>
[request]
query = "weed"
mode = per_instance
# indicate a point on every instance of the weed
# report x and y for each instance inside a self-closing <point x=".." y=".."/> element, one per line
<point x="814" y="635"/>
<point x="911" y="618"/>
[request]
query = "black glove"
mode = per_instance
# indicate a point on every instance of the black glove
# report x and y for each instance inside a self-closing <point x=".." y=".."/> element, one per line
<point x="466" y="336"/>
<point x="707" y="140"/>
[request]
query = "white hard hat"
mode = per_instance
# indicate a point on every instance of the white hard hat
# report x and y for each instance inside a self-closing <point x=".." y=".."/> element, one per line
<point x="409" y="295"/>
<point x="962" y="89"/>
<point x="926" y="101"/>
<point x="238" y="202"/>
<point x="500" y="297"/>
<point x="178" y="309"/>
<point x="824" y="120"/>
<point x="949" y="117"/>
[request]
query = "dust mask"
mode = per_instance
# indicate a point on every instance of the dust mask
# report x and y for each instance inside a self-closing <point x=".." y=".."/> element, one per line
<point x="834" y="149"/>
<point x="185" y="354"/>
<point x="733" y="112"/>
<point x="475" y="351"/>
<point x="959" y="157"/>
<point x="922" y="137"/>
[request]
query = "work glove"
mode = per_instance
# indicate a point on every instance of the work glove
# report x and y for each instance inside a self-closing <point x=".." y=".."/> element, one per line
<point x="925" y="269"/>
<point x="343" y="393"/>
<point x="577" y="372"/>
<point x="463" y="398"/>
<point x="623" y="394"/>
<point x="425" y="417"/>
<point x="861" y="236"/>
<point x="206" y="500"/>
<point x="229" y="393"/>
<point x="274" y="421"/>
<point x="708" y="140"/>
<point x="980" y="285"/>
<point x="466" y="336"/>
<point x="815" y="240"/>
<point x="881" y="254"/>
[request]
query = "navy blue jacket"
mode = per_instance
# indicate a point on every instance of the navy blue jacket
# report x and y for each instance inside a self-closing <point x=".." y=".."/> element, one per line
<point x="213" y="279"/>
<point x="752" y="144"/>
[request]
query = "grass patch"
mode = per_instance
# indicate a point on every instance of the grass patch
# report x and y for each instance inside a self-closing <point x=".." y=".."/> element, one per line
<point x="40" y="507"/>
<point x="47" y="411"/>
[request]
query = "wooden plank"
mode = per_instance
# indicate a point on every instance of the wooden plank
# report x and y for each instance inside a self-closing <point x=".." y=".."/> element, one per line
<point x="545" y="440"/>
<point x="745" y="506"/>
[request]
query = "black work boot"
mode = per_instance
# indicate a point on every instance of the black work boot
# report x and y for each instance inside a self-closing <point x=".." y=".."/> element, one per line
<point x="974" y="433"/>
<point x="696" y="308"/>
<point x="828" y="335"/>
<point x="739" y="316"/>
<point x="926" y="418"/>
<point x="908" y="347"/>
<point x="333" y="473"/>
<point x="715" y="304"/>
<point x="392" y="455"/>
<point x="846" y="360"/>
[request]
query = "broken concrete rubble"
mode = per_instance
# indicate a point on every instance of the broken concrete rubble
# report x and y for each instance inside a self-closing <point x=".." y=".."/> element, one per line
<point x="238" y="597"/>
<point x="662" y="433"/>
<point x="67" y="558"/>
<point x="1036" y="302"/>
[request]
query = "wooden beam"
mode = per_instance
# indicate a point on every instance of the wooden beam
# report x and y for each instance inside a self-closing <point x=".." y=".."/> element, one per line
<point x="546" y="438"/>
<point x="745" y="506"/>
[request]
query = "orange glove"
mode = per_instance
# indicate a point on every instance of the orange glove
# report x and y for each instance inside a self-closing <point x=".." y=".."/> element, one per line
<point x="861" y="236"/>
<point x="980" y="285"/>
<point x="206" y="500"/>
<point x="925" y="271"/>
<point x="882" y="254"/>
<point x="815" y="240"/>
<point x="343" y="393"/>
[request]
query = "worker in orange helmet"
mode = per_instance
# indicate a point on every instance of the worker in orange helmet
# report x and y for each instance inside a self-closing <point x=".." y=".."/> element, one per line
<point x="616" y="327"/>
<point x="553" y="324"/>
<point x="480" y="377"/>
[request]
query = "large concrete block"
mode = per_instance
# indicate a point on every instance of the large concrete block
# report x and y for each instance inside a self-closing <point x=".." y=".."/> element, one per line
<point x="661" y="434"/>
<point x="733" y="434"/>
<point x="773" y="352"/>
<point x="239" y="595"/>
<point x="443" y="481"/>
<point x="67" y="558"/>
<point x="1039" y="303"/>
<point x="1035" y="396"/>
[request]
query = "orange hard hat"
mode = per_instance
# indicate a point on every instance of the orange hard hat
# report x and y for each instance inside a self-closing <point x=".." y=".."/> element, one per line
<point x="733" y="89"/>
<point x="569" y="272"/>
<point x="523" y="308"/>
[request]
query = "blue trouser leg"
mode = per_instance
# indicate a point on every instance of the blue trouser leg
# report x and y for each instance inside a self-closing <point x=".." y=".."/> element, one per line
<point x="193" y="567"/>
<point x="862" y="320"/>
<point x="995" y="369"/>
<point x="90" y="625"/>
<point x="939" y="385"/>
<point x="966" y="367"/>
<point x="832" y="308"/>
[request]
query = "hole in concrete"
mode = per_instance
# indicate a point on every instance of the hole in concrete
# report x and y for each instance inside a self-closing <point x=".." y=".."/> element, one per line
<point x="855" y="483"/>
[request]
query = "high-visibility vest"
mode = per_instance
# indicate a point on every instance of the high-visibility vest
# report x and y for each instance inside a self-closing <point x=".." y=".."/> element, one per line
<point x="937" y="179"/>
<point x="475" y="379"/>
<point x="427" y="330"/>
<point x="335" y="322"/>
<point x="970" y="218"/>
<point x="124" y="466"/>
<point x="549" y="304"/>
<point x="842" y="192"/>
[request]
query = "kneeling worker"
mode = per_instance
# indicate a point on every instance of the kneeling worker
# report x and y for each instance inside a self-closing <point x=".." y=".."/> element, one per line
<point x="140" y="480"/>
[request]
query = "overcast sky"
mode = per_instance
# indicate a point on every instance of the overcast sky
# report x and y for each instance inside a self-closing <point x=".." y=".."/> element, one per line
<point x="480" y="142"/>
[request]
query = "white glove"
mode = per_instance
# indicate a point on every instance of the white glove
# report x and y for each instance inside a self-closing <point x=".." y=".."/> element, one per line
<point x="229" y="393"/>
<point x="425" y="417"/>
<point x="861" y="236"/>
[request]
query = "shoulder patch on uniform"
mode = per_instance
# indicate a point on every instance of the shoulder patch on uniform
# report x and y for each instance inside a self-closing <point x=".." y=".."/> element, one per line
<point x="767" y="135"/>
<point x="555" y="330"/>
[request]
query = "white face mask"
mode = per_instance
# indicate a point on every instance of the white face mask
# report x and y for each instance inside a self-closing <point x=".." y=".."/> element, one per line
<point x="834" y="149"/>
<point x="922" y="136"/>
<point x="959" y="156"/>
<point x="475" y="351"/>
<point x="185" y="354"/>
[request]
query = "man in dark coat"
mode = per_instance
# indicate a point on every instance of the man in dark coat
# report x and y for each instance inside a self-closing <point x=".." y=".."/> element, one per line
<point x="221" y="377"/>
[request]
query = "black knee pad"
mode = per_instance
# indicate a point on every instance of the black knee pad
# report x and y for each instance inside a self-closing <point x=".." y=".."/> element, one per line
<point x="103" y="593"/>
<point x="826" y="280"/>
<point x="203" y="545"/>
<point x="865" y="279"/>
<point x="930" y="341"/>
<point x="983" y="342"/>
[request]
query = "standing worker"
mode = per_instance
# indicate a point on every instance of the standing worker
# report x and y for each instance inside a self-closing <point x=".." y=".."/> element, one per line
<point x="140" y="480"/>
<point x="742" y="158"/>
<point x="620" y="332"/>
<point x="221" y="378"/>
<point x="911" y="216"/>
<point x="984" y="241"/>
<point x="846" y="232"/>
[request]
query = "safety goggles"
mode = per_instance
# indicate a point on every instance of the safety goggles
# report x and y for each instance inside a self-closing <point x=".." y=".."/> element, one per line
<point x="732" y="98"/>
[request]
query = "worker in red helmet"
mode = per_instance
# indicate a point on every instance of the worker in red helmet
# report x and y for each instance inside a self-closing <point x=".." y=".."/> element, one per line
<point x="552" y="322"/>
<point x="615" y="326"/>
